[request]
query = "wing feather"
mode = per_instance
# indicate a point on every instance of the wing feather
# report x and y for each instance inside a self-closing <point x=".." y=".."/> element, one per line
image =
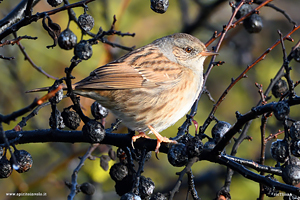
<point x="149" y="69"/>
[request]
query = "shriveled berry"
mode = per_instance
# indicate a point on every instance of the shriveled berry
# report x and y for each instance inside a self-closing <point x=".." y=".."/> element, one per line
<point x="98" y="111"/>
<point x="253" y="24"/>
<point x="87" y="188"/>
<point x="146" y="187"/>
<point x="177" y="155"/>
<point x="137" y="154"/>
<point x="71" y="119"/>
<point x="271" y="191"/>
<point x="296" y="54"/>
<point x="194" y="147"/>
<point x="23" y="159"/>
<point x="294" y="160"/>
<point x="125" y="185"/>
<point x="67" y="39"/>
<point x="5" y="168"/>
<point x="185" y="139"/>
<point x="93" y="131"/>
<point x="295" y="147"/>
<point x="209" y="145"/>
<point x="280" y="88"/>
<point x="159" y="6"/>
<point x="295" y="130"/>
<point x="56" y="121"/>
<point x="158" y="196"/>
<point x="244" y="9"/>
<point x="83" y="50"/>
<point x="54" y="3"/>
<point x="86" y="22"/>
<point x="130" y="196"/>
<point x="281" y="110"/>
<point x="219" y="130"/>
<point x="279" y="150"/>
<point x="291" y="174"/>
<point x="118" y="171"/>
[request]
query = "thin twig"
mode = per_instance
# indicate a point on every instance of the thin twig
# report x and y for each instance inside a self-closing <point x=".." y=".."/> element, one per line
<point x="76" y="170"/>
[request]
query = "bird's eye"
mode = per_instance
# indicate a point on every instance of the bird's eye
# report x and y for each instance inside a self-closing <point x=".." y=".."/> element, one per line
<point x="188" y="49"/>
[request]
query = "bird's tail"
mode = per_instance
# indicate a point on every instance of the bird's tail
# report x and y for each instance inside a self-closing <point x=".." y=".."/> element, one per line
<point x="64" y="87"/>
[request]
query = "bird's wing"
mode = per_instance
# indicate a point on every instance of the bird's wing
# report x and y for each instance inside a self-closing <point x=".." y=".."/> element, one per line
<point x="144" y="67"/>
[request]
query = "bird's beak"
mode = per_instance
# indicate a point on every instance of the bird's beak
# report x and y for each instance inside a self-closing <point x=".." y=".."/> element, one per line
<point x="208" y="53"/>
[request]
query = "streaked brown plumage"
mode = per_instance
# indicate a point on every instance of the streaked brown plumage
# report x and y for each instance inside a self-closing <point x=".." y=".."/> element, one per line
<point x="151" y="87"/>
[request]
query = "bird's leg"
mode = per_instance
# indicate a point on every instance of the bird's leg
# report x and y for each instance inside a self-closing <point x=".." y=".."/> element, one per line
<point x="134" y="138"/>
<point x="160" y="139"/>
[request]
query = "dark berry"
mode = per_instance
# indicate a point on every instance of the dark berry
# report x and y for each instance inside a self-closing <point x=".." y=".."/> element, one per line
<point x="146" y="187"/>
<point x="281" y="110"/>
<point x="279" y="150"/>
<point x="219" y="130"/>
<point x="209" y="145"/>
<point x="56" y="121"/>
<point x="253" y="24"/>
<point x="245" y="8"/>
<point x="86" y="22"/>
<point x="295" y="147"/>
<point x="71" y="119"/>
<point x="194" y="147"/>
<point x="23" y="159"/>
<point x="294" y="160"/>
<point x="54" y="3"/>
<point x="98" y="111"/>
<point x="295" y="130"/>
<point x="118" y="171"/>
<point x="280" y="88"/>
<point x="93" y="131"/>
<point x="185" y="139"/>
<point x="270" y="191"/>
<point x="83" y="50"/>
<point x="87" y="188"/>
<point x="159" y="6"/>
<point x="291" y="174"/>
<point x="5" y="168"/>
<point x="67" y="39"/>
<point x="137" y="154"/>
<point x="125" y="185"/>
<point x="158" y="196"/>
<point x="296" y="54"/>
<point x="130" y="196"/>
<point x="177" y="155"/>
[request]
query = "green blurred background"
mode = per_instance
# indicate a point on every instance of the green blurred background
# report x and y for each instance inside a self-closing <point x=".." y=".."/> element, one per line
<point x="54" y="163"/>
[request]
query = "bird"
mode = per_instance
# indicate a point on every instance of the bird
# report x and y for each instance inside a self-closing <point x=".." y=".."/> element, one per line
<point x="151" y="87"/>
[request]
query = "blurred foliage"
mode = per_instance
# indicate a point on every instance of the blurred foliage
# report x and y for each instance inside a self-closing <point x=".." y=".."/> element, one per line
<point x="54" y="163"/>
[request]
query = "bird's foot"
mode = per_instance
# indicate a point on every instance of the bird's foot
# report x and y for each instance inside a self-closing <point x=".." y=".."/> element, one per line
<point x="134" y="138"/>
<point x="160" y="139"/>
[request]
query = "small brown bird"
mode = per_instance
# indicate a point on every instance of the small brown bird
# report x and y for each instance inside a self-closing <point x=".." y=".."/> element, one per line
<point x="151" y="87"/>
